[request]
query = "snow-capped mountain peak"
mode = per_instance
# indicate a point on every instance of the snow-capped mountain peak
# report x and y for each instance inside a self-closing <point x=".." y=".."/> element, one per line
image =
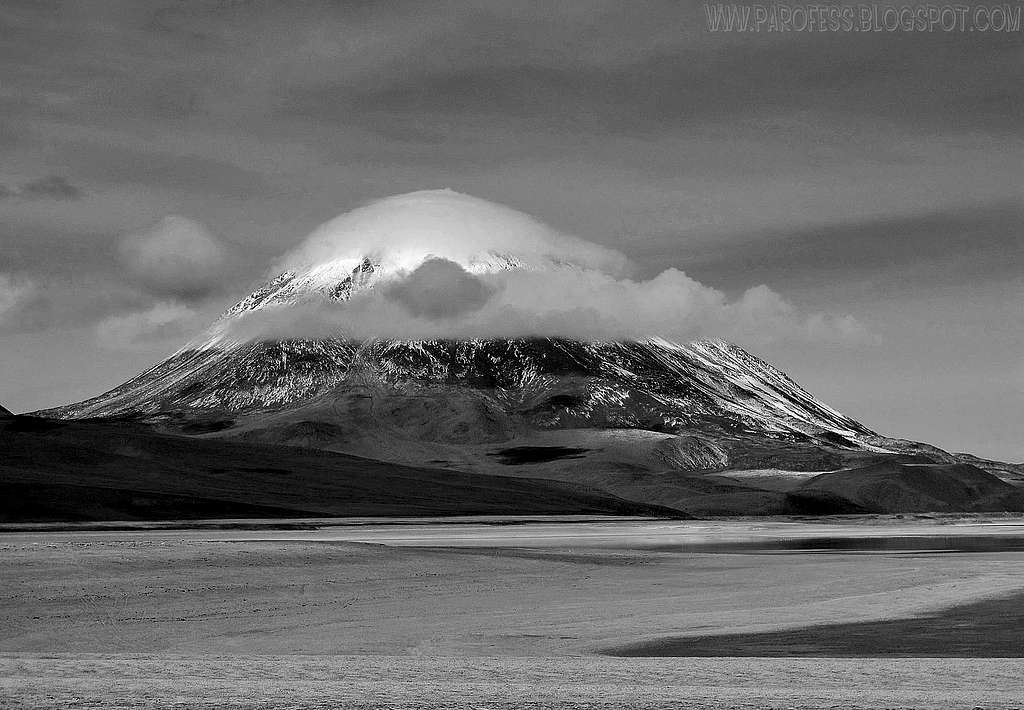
<point x="534" y="382"/>
<point x="340" y="279"/>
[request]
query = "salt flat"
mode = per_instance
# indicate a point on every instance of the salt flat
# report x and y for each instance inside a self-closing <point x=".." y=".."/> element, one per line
<point x="248" y="682"/>
<point x="506" y="615"/>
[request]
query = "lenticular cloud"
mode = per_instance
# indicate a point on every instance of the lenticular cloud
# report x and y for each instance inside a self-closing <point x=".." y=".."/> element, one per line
<point x="448" y="265"/>
<point x="402" y="231"/>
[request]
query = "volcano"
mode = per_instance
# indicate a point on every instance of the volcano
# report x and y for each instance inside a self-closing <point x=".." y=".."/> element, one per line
<point x="541" y="382"/>
<point x="704" y="426"/>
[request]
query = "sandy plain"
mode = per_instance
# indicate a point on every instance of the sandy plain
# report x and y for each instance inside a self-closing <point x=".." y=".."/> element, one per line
<point x="512" y="613"/>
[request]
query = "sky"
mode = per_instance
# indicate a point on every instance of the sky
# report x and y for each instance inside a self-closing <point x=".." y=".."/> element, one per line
<point x="157" y="157"/>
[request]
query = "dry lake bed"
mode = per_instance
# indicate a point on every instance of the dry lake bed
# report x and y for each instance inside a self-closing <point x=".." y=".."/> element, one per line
<point x="517" y="612"/>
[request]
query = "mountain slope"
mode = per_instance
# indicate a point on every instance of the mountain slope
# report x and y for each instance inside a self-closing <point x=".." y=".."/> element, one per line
<point x="891" y="487"/>
<point x="552" y="383"/>
<point x="108" y="470"/>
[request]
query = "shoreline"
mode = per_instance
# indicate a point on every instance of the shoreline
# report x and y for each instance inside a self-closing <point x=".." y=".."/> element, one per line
<point x="865" y="520"/>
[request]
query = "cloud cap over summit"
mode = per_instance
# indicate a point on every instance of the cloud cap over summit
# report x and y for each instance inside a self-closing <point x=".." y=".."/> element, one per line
<point x="448" y="265"/>
<point x="406" y="229"/>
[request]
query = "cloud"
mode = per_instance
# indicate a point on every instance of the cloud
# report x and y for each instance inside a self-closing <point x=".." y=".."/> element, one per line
<point x="15" y="291"/>
<point x="176" y="258"/>
<point x="433" y="247"/>
<point x="165" y="321"/>
<point x="51" y="187"/>
<point x="404" y="230"/>
<point x="439" y="288"/>
<point x="842" y="328"/>
<point x="571" y="303"/>
<point x="144" y="163"/>
<point x="35" y="302"/>
<point x="947" y="246"/>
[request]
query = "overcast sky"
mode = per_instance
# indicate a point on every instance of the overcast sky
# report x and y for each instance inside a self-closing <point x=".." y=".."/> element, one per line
<point x="875" y="175"/>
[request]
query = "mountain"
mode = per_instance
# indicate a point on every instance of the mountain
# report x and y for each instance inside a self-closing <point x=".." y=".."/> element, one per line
<point x="547" y="382"/>
<point x="704" y="427"/>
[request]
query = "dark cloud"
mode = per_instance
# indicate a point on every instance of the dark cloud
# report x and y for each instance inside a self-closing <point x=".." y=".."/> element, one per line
<point x="32" y="248"/>
<point x="597" y="66"/>
<point x="661" y="84"/>
<point x="159" y="168"/>
<point x="51" y="187"/>
<point x="44" y="302"/>
<point x="439" y="288"/>
<point x="901" y="254"/>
